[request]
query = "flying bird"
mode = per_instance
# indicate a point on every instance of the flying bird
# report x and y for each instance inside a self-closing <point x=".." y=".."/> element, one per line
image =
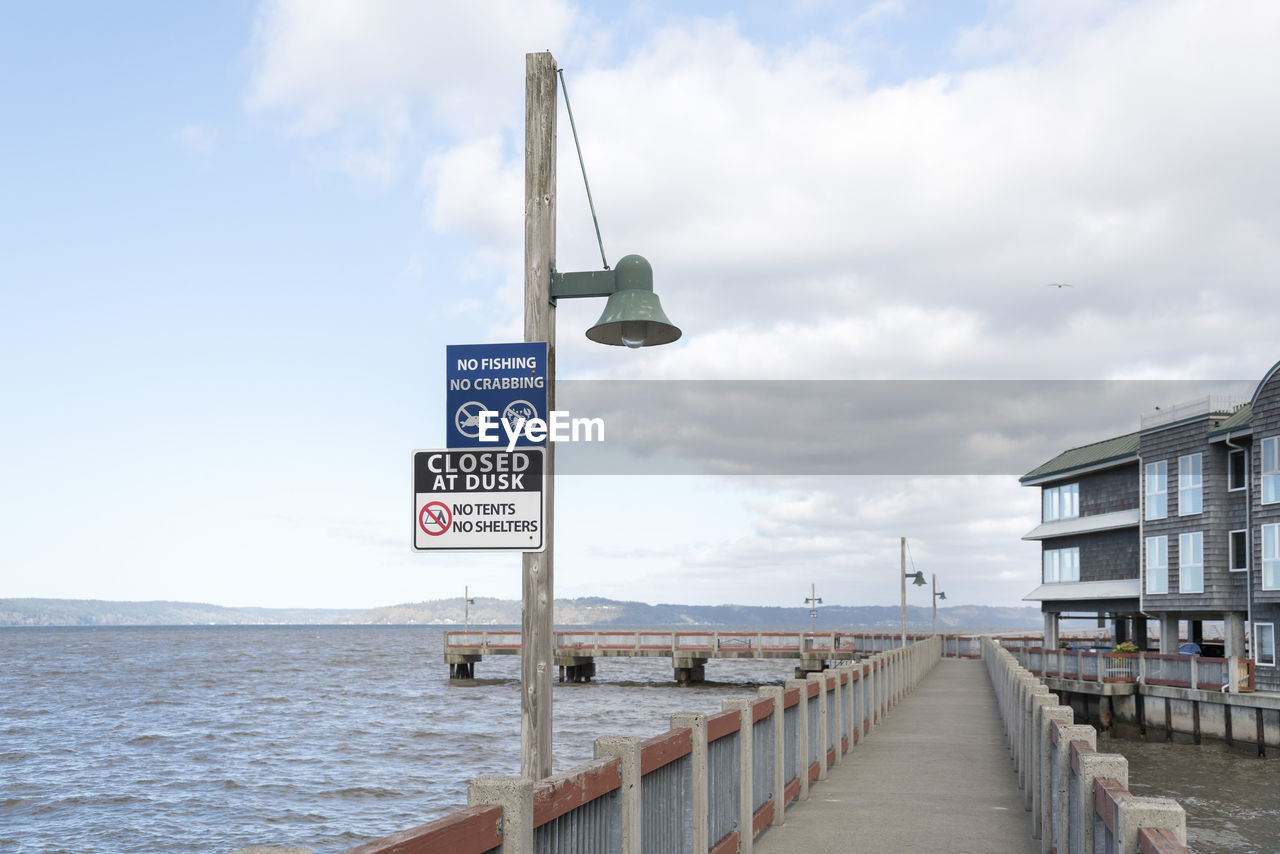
<point x="1057" y="285"/>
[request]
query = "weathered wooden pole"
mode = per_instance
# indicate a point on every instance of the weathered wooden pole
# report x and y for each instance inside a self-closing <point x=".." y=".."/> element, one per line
<point x="934" y="587"/>
<point x="536" y="626"/>
<point x="903" y="574"/>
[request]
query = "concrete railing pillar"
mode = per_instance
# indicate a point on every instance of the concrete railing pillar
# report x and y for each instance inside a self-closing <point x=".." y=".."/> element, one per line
<point x="802" y="733"/>
<point x="697" y="724"/>
<point x="835" y="710"/>
<point x="1031" y="794"/>
<point x="869" y="692"/>
<point x="775" y="692"/>
<point x="515" y="796"/>
<point x="1059" y="829"/>
<point x="1026" y="721"/>
<point x="1042" y="818"/>
<point x="746" y="753"/>
<point x="1133" y="814"/>
<point x="823" y="711"/>
<point x="627" y="749"/>
<point x="1093" y="766"/>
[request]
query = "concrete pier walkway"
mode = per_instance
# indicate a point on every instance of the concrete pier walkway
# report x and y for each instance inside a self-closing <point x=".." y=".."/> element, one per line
<point x="935" y="775"/>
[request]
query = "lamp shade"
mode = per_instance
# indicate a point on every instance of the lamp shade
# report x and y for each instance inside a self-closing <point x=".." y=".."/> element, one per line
<point x="633" y="316"/>
<point x="917" y="578"/>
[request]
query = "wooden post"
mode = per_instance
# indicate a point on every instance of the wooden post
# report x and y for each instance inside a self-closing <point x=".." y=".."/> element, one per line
<point x="537" y="589"/>
<point x="903" y="573"/>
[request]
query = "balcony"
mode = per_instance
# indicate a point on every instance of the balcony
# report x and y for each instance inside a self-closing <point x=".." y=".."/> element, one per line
<point x="1084" y="525"/>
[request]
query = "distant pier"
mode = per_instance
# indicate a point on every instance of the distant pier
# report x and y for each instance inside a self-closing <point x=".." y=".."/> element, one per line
<point x="688" y="649"/>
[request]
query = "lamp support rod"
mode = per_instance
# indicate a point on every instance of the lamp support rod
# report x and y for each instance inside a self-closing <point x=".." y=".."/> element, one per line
<point x="582" y="165"/>
<point x="593" y="283"/>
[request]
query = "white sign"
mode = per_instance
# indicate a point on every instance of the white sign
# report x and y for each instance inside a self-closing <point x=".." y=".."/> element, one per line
<point x="469" y="499"/>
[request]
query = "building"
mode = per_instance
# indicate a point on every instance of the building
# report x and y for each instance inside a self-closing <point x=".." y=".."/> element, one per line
<point x="1177" y="521"/>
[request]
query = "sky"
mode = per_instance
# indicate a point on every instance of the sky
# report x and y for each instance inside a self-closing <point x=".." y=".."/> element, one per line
<point x="236" y="238"/>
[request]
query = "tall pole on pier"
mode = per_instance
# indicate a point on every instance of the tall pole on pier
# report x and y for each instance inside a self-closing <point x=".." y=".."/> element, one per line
<point x="537" y="589"/>
<point x="813" y="602"/>
<point x="934" y="588"/>
<point x="903" y="573"/>
<point x="632" y="317"/>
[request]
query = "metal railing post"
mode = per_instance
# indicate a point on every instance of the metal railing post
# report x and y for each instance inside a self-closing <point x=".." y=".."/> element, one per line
<point x="627" y="749"/>
<point x="697" y="724"/>
<point x="515" y="796"/>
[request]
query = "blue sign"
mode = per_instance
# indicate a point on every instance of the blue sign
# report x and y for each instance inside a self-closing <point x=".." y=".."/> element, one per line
<point x="509" y="380"/>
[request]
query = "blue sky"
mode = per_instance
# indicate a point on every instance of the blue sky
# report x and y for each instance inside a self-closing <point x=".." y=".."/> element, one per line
<point x="235" y="239"/>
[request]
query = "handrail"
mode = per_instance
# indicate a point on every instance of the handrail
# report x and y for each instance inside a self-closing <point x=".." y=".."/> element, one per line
<point x="730" y="774"/>
<point x="473" y="830"/>
<point x="1074" y="793"/>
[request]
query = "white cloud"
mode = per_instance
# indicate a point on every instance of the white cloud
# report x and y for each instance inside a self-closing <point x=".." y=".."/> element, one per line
<point x="791" y="211"/>
<point x="370" y="73"/>
<point x="804" y="222"/>
<point x="842" y="535"/>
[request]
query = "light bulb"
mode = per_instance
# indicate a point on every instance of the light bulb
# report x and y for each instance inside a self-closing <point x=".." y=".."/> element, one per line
<point x="633" y="332"/>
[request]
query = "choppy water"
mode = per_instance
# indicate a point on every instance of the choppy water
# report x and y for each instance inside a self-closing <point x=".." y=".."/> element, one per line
<point x="1232" y="798"/>
<point x="212" y="738"/>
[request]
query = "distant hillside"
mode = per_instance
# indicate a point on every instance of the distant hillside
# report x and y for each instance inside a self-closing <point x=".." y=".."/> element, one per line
<point x="589" y="611"/>
<point x="97" y="612"/>
<point x="594" y="611"/>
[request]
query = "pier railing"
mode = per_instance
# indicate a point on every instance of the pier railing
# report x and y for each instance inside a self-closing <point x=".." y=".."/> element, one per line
<point x="1079" y="798"/>
<point x="1180" y="671"/>
<point x="711" y="783"/>
<point x="714" y="644"/>
<point x="720" y="644"/>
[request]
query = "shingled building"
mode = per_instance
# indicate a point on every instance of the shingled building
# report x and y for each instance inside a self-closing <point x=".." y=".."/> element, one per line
<point x="1177" y="521"/>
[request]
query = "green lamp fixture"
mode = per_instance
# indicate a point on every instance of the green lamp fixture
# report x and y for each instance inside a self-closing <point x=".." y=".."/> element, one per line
<point x="941" y="595"/>
<point x="917" y="578"/>
<point x="633" y="316"/>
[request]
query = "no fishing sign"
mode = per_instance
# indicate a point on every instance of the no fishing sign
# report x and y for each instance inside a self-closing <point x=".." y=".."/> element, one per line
<point x="478" y="500"/>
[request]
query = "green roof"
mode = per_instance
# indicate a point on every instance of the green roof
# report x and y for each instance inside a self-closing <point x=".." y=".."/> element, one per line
<point x="1241" y="419"/>
<point x="1086" y="455"/>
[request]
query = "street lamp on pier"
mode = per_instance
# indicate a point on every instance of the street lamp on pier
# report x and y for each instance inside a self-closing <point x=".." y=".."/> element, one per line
<point x="937" y="594"/>
<point x="917" y="578"/>
<point x="632" y="317"/>
<point x="813" y="602"/>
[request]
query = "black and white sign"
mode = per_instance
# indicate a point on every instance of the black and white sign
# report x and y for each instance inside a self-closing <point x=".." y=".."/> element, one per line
<point x="478" y="500"/>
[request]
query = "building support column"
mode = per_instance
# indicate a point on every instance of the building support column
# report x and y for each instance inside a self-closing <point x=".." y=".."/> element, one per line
<point x="1050" y="631"/>
<point x="1169" y="634"/>
<point x="1233" y="634"/>
<point x="1121" y="634"/>
<point x="1140" y="631"/>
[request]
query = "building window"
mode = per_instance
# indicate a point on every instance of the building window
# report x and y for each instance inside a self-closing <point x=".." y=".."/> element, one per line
<point x="1236" y="471"/>
<point x="1062" y="502"/>
<point x="1157" y="564"/>
<point x="1271" y="470"/>
<point x="1191" y="562"/>
<point x="1264" y="644"/>
<point x="1239" y="550"/>
<point x="1157" y="490"/>
<point x="1061" y="565"/>
<point x="1271" y="557"/>
<point x="1190" y="485"/>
